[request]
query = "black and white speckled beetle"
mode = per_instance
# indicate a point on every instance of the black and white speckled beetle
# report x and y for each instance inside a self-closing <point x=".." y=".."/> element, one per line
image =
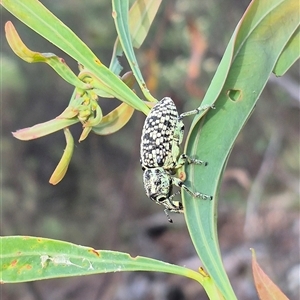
<point x="160" y="155"/>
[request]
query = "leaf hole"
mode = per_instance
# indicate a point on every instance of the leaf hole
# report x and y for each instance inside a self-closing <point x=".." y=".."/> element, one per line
<point x="234" y="95"/>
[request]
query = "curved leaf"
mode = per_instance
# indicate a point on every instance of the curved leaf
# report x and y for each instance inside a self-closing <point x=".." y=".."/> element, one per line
<point x="289" y="55"/>
<point x="94" y="121"/>
<point x="265" y="287"/>
<point x="58" y="64"/>
<point x="64" y="162"/>
<point x="24" y="258"/>
<point x="43" y="129"/>
<point x="114" y="120"/>
<point x="252" y="53"/>
<point x="40" y="19"/>
<point x="85" y="132"/>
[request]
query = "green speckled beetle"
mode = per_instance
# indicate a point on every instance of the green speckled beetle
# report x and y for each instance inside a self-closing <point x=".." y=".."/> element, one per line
<point x="160" y="155"/>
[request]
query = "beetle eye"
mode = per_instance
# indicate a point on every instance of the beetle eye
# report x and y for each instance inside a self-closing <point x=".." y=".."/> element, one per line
<point x="160" y="198"/>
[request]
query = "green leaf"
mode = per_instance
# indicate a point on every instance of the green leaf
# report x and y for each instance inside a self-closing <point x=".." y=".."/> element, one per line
<point x="120" y="15"/>
<point x="250" y="57"/>
<point x="114" y="120"/>
<point x="40" y="19"/>
<point x="141" y="16"/>
<point x="289" y="55"/>
<point x="64" y="162"/>
<point x="43" y="129"/>
<point x="58" y="64"/>
<point x="24" y="258"/>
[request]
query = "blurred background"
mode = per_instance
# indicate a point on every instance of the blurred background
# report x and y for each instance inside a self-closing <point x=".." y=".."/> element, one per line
<point x="101" y="201"/>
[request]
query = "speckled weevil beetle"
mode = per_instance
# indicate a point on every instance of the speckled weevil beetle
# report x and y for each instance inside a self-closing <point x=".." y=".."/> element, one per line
<point x="162" y="135"/>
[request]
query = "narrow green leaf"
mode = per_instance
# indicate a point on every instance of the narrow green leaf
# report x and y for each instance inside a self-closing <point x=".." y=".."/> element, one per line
<point x="64" y="162"/>
<point x="43" y="129"/>
<point x="120" y="15"/>
<point x="24" y="258"/>
<point x="252" y="53"/>
<point x="141" y="16"/>
<point x="40" y="19"/>
<point x="58" y="64"/>
<point x="289" y="55"/>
